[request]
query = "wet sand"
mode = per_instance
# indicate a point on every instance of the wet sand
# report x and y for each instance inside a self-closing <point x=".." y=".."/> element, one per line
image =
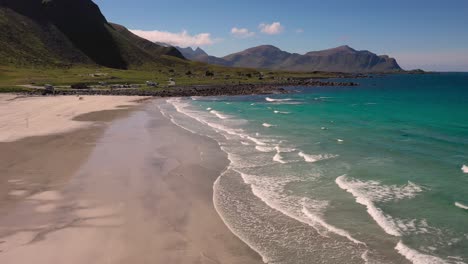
<point x="136" y="191"/>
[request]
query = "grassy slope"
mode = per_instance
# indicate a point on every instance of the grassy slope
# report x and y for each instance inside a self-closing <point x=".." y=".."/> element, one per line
<point x="11" y="77"/>
<point x="25" y="42"/>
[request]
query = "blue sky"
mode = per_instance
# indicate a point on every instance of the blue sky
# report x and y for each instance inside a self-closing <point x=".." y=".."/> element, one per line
<point x="432" y="35"/>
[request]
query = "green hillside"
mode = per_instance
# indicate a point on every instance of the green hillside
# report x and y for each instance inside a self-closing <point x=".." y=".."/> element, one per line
<point x="72" y="32"/>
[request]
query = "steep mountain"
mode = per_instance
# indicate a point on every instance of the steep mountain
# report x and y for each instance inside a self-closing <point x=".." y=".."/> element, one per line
<point x="58" y="32"/>
<point x="340" y="59"/>
<point x="200" y="55"/>
<point x="346" y="59"/>
<point x="192" y="54"/>
<point x="146" y="45"/>
<point x="266" y="56"/>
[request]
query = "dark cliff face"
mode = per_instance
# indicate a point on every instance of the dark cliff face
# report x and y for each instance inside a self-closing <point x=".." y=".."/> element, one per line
<point x="80" y="21"/>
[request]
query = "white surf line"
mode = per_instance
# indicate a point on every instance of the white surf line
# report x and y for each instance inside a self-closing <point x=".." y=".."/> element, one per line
<point x="243" y="239"/>
<point x="216" y="127"/>
<point x="281" y="112"/>
<point x="267" y="125"/>
<point x="417" y="257"/>
<point x="216" y="183"/>
<point x="464" y="168"/>
<point x="278" y="158"/>
<point x="219" y="115"/>
<point x="264" y="149"/>
<point x="315" y="158"/>
<point x="375" y="212"/>
<point x="331" y="228"/>
<point x="268" y="99"/>
<point x="460" y="205"/>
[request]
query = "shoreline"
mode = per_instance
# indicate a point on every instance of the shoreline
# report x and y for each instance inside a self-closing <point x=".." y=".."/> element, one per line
<point x="199" y="90"/>
<point x="158" y="210"/>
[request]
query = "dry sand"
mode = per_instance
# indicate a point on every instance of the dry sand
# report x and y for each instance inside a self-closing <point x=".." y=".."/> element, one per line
<point x="37" y="116"/>
<point x="138" y="192"/>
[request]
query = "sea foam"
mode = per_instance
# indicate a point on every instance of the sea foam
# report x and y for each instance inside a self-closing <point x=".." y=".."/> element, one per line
<point x="219" y="115"/>
<point x="281" y="112"/>
<point x="369" y="192"/>
<point x="315" y="158"/>
<point x="417" y="257"/>
<point x="464" y="169"/>
<point x="460" y="205"/>
<point x="264" y="149"/>
<point x="304" y="210"/>
<point x="268" y="99"/>
<point x="278" y="158"/>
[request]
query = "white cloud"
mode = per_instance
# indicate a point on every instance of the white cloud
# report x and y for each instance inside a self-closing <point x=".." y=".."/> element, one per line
<point x="271" y="29"/>
<point x="241" y="33"/>
<point x="182" y="39"/>
<point x="299" y="30"/>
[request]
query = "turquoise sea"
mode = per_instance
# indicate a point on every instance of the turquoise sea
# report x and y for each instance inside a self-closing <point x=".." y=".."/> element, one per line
<point x="369" y="174"/>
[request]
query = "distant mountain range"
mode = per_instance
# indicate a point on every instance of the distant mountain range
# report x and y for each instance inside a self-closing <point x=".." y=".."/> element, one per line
<point x="340" y="59"/>
<point x="75" y="32"/>
<point x="69" y="32"/>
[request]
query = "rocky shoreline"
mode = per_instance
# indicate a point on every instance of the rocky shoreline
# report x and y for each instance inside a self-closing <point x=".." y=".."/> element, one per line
<point x="202" y="90"/>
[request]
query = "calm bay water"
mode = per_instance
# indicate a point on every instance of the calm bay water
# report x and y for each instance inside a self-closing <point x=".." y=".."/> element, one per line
<point x="368" y="174"/>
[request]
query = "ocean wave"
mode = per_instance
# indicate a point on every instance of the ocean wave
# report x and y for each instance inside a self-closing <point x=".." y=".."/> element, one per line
<point x="460" y="205"/>
<point x="219" y="114"/>
<point x="267" y="125"/>
<point x="270" y="190"/>
<point x="304" y="210"/>
<point x="369" y="192"/>
<point x="417" y="257"/>
<point x="315" y="158"/>
<point x="278" y="158"/>
<point x="180" y="107"/>
<point x="281" y="112"/>
<point x="268" y="99"/>
<point x="264" y="149"/>
<point x="315" y="216"/>
<point x="464" y="169"/>
<point x="283" y="149"/>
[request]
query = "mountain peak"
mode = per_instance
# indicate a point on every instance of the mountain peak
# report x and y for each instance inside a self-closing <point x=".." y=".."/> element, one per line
<point x="345" y="48"/>
<point x="265" y="48"/>
<point x="338" y="59"/>
<point x="198" y="51"/>
<point x="192" y="54"/>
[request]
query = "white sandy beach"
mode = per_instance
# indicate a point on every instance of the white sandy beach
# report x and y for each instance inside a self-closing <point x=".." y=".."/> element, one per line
<point x="37" y="116"/>
<point x="134" y="190"/>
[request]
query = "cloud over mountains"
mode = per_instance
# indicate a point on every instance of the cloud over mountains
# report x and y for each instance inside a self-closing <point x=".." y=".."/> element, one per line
<point x="181" y="39"/>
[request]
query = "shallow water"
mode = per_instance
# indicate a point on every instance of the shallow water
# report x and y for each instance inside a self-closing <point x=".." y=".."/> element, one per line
<point x="368" y="174"/>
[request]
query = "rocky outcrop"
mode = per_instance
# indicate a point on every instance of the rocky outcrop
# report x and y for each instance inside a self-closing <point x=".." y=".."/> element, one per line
<point x="202" y="90"/>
